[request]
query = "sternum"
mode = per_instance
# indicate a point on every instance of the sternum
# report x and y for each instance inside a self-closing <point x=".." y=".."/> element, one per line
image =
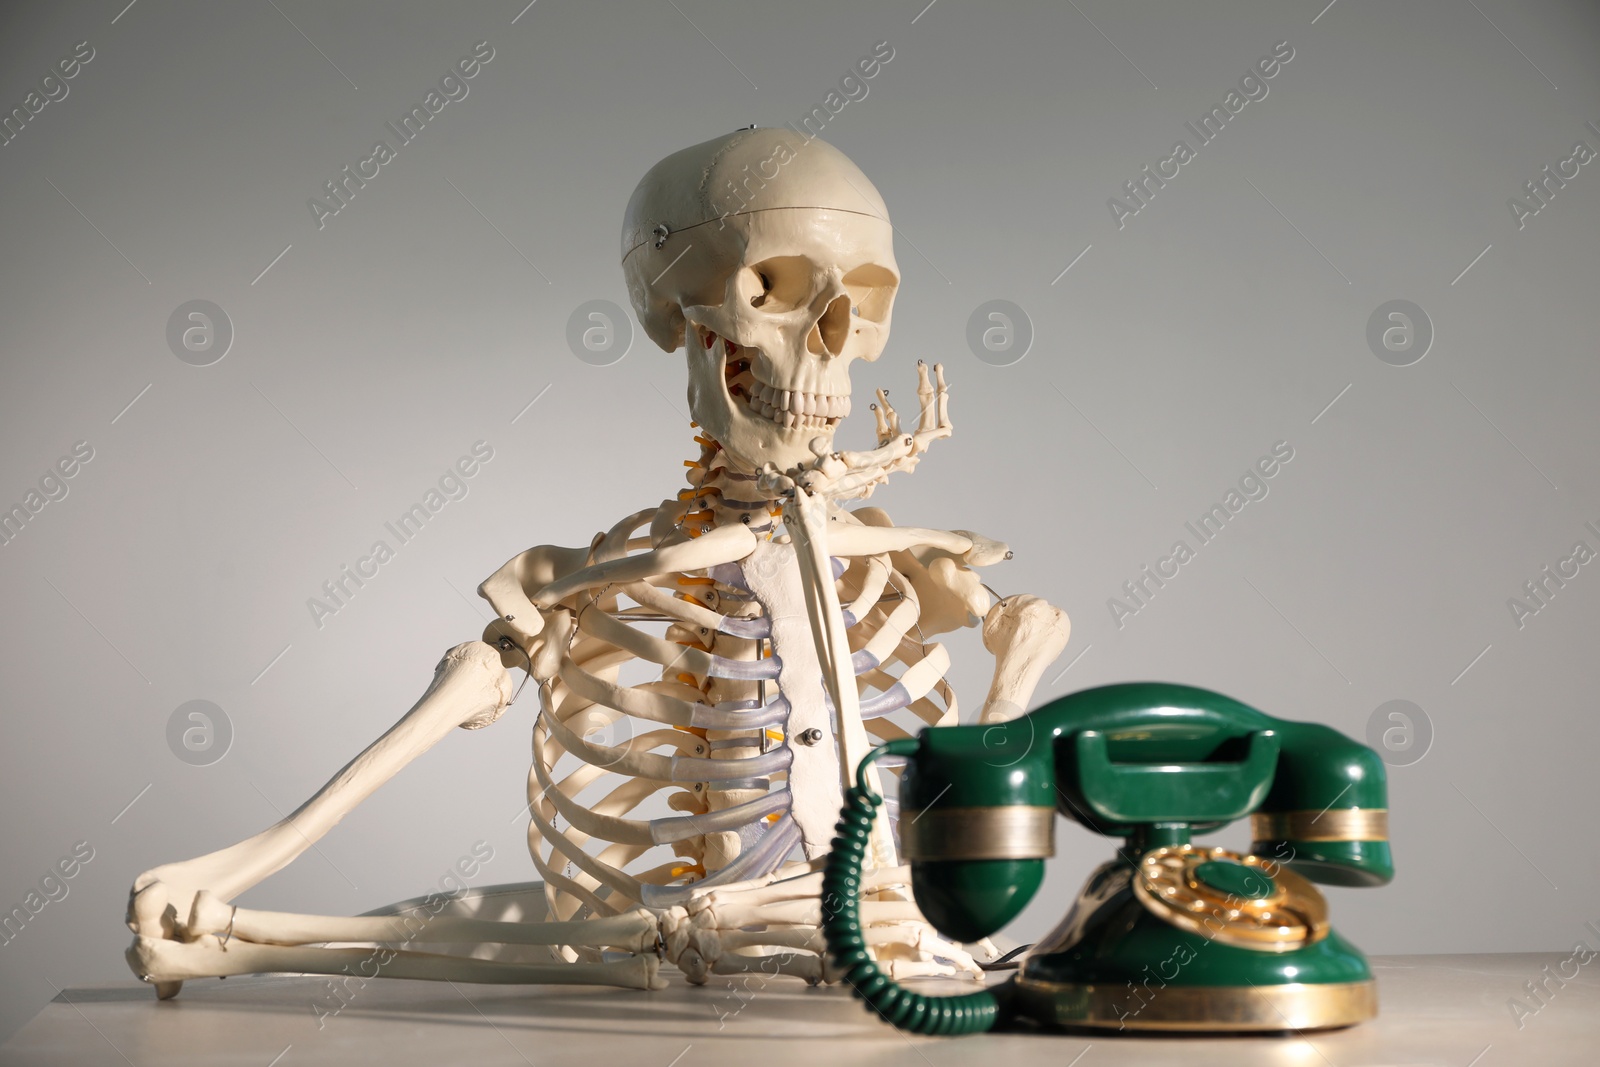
<point x="771" y="574"/>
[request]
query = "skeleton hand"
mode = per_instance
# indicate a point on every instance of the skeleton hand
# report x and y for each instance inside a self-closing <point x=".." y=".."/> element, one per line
<point x="933" y="418"/>
<point x="773" y="926"/>
<point x="853" y="475"/>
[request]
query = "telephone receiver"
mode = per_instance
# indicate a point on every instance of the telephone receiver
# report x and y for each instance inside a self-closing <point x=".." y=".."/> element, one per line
<point x="1168" y="935"/>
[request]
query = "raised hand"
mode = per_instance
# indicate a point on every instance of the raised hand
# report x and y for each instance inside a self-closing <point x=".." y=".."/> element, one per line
<point x="853" y="475"/>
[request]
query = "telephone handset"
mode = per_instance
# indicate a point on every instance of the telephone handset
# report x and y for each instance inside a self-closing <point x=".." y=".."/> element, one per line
<point x="1169" y="935"/>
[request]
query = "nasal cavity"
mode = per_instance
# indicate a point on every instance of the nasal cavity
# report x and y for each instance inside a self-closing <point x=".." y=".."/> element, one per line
<point x="828" y="336"/>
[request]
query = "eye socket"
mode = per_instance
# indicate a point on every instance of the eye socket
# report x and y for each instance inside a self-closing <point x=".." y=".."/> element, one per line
<point x="780" y="284"/>
<point x="871" y="290"/>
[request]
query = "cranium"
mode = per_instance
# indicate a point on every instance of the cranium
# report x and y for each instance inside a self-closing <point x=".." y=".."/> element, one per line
<point x="770" y="258"/>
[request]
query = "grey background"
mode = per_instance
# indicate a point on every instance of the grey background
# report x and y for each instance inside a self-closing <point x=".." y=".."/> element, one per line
<point x="1224" y="317"/>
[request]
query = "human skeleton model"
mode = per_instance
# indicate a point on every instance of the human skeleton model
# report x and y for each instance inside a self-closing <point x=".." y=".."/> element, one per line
<point x="773" y="652"/>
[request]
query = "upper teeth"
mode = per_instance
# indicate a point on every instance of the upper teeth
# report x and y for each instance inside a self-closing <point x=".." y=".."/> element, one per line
<point x="786" y="407"/>
<point x="790" y="408"/>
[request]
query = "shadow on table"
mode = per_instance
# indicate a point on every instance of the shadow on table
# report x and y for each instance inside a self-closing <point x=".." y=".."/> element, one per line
<point x="736" y="1010"/>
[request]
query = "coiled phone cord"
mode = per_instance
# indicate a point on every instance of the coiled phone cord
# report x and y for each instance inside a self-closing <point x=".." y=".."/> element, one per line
<point x="968" y="1013"/>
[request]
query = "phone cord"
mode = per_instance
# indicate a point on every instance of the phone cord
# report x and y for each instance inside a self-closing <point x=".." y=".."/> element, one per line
<point x="968" y="1013"/>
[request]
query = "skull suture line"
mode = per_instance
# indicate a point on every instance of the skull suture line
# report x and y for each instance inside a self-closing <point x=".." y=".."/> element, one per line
<point x="770" y="259"/>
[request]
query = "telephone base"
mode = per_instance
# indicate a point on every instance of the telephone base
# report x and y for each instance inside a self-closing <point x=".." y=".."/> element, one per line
<point x="1299" y="1006"/>
<point x="1130" y="957"/>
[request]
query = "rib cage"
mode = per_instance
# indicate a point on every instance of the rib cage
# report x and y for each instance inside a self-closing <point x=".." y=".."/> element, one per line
<point x="706" y="735"/>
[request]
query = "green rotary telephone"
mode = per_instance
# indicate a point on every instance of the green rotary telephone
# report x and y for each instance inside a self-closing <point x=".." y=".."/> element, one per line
<point x="1169" y="935"/>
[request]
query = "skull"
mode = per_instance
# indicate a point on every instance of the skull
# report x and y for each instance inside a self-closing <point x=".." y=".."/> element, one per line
<point x="770" y="258"/>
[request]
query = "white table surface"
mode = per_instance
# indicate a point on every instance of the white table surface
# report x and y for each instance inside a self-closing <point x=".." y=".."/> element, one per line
<point x="1445" y="1010"/>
